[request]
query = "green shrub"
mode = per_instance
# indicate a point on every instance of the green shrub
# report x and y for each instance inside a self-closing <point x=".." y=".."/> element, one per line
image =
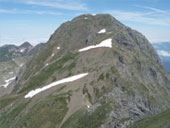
<point x="155" y="121"/>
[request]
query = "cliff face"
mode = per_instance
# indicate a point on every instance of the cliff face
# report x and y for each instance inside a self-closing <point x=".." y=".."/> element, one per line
<point x="126" y="80"/>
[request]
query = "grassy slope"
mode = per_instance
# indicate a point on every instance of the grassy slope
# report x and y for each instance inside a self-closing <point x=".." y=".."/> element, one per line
<point x="84" y="119"/>
<point x="40" y="79"/>
<point x="5" y="101"/>
<point x="155" y="121"/>
<point x="47" y="113"/>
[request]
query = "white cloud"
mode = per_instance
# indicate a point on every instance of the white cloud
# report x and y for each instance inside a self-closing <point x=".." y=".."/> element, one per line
<point x="139" y="17"/>
<point x="154" y="9"/>
<point x="60" y="4"/>
<point x="164" y="53"/>
<point x="152" y="22"/>
<point x="38" y="12"/>
<point x="154" y="33"/>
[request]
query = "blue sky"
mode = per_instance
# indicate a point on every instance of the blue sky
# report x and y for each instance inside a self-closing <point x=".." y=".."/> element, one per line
<point x="36" y="20"/>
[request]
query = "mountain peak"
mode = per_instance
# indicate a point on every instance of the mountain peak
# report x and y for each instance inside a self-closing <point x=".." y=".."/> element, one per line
<point x="9" y="52"/>
<point x="26" y="44"/>
<point x="122" y="75"/>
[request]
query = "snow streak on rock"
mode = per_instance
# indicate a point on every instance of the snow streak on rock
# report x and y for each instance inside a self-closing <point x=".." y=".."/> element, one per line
<point x="65" y="80"/>
<point x="102" y="31"/>
<point x="7" y="82"/>
<point x="105" y="43"/>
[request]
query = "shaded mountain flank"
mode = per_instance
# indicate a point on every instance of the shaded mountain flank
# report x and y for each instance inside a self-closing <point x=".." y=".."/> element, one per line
<point x="122" y="79"/>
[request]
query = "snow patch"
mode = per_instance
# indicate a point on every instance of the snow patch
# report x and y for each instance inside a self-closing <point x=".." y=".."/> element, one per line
<point x="58" y="48"/>
<point x="52" y="54"/>
<point x="7" y="82"/>
<point x="105" y="43"/>
<point x="93" y="14"/>
<point x="85" y="18"/>
<point x="22" y="50"/>
<point x="65" y="80"/>
<point x="102" y="31"/>
<point x="21" y="65"/>
<point x="46" y="64"/>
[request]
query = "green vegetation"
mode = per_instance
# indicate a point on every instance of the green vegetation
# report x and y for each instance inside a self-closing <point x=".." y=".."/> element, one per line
<point x="6" y="101"/>
<point x="47" y="114"/>
<point x="9" y="118"/>
<point x="151" y="99"/>
<point x="114" y="70"/>
<point x="54" y="78"/>
<point x="82" y="119"/>
<point x="102" y="37"/>
<point x="85" y="91"/>
<point x="107" y="75"/>
<point x="97" y="92"/>
<point x="38" y="61"/>
<point x="155" y="121"/>
<point x="124" y="120"/>
<point x="61" y="88"/>
<point x="143" y="88"/>
<point x="40" y="79"/>
<point x="73" y="119"/>
<point x="101" y="77"/>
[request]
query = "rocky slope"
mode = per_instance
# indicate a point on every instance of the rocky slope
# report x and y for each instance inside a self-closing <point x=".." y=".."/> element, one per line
<point x="124" y="82"/>
<point x="12" y="60"/>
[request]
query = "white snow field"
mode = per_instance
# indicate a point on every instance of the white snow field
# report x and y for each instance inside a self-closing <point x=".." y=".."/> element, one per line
<point x="7" y="82"/>
<point x="102" y="31"/>
<point x="65" y="80"/>
<point x="105" y="43"/>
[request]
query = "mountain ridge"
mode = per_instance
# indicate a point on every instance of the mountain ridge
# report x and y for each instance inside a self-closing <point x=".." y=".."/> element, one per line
<point x="13" y="59"/>
<point x="125" y="83"/>
<point x="9" y="52"/>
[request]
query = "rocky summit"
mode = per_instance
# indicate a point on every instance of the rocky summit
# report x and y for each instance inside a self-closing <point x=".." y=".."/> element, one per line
<point x="9" y="52"/>
<point x="94" y="72"/>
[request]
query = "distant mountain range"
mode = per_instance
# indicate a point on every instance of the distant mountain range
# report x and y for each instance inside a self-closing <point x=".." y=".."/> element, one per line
<point x="163" y="50"/>
<point x="12" y="60"/>
<point x="9" y="52"/>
